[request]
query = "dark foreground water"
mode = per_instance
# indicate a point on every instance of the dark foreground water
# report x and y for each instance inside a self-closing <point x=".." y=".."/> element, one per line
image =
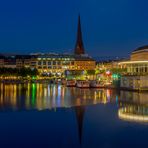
<point x="50" y="116"/>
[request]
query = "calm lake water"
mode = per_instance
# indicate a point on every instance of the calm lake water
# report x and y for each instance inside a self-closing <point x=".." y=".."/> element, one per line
<point x="54" y="116"/>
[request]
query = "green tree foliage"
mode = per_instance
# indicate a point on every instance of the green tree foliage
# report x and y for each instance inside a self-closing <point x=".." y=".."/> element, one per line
<point x="119" y="70"/>
<point x="91" y="72"/>
<point x="23" y="72"/>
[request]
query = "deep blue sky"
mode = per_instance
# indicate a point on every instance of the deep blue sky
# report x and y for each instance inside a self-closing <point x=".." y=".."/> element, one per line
<point x="110" y="27"/>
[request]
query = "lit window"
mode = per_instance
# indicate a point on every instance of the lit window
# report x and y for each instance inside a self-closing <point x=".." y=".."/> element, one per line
<point x="54" y="62"/>
<point x="49" y="63"/>
<point x="44" y="63"/>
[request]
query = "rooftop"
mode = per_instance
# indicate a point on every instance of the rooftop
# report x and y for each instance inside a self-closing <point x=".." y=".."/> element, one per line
<point x="140" y="49"/>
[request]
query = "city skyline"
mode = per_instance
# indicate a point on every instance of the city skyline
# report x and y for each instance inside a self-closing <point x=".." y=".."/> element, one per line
<point x="73" y="73"/>
<point x="109" y="28"/>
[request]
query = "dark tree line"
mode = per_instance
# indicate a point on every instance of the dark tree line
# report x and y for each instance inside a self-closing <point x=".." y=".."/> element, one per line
<point x="24" y="72"/>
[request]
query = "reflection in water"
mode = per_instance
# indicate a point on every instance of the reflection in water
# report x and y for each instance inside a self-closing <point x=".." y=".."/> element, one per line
<point x="44" y="96"/>
<point x="80" y="111"/>
<point x="134" y="113"/>
<point x="133" y="106"/>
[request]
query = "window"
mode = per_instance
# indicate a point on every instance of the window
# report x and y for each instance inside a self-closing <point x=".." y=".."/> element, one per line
<point x="44" y="63"/>
<point x="59" y="63"/>
<point x="33" y="63"/>
<point x="72" y="63"/>
<point x="54" y="62"/>
<point x="49" y="67"/>
<point x="39" y="63"/>
<point x="136" y="69"/>
<point x="49" y="63"/>
<point x="146" y="69"/>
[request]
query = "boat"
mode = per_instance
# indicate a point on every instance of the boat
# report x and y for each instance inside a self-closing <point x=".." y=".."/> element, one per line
<point x="83" y="84"/>
<point x="71" y="83"/>
<point x="108" y="84"/>
<point x="96" y="84"/>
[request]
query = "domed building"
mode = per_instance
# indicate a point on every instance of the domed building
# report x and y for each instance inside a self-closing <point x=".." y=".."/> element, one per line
<point x="140" y="54"/>
<point x="137" y="70"/>
<point x="138" y="63"/>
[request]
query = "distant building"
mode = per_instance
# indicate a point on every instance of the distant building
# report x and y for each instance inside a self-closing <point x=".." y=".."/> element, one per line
<point x="109" y="64"/>
<point x="9" y="62"/>
<point x="53" y="63"/>
<point x="1" y="61"/>
<point x="137" y="70"/>
<point x="140" y="54"/>
<point x="23" y="61"/>
<point x="58" y="63"/>
<point x="138" y="63"/>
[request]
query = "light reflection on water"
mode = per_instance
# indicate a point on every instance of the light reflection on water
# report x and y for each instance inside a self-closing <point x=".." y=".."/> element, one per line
<point x="43" y="96"/>
<point x="83" y="118"/>
<point x="133" y="106"/>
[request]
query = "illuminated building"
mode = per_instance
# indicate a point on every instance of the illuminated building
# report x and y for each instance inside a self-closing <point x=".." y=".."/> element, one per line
<point x="49" y="63"/>
<point x="52" y="63"/>
<point x="23" y="61"/>
<point x="58" y="63"/>
<point x="107" y="65"/>
<point x="137" y="70"/>
<point x="9" y="61"/>
<point x="1" y="61"/>
<point x="140" y="54"/>
<point x="138" y="63"/>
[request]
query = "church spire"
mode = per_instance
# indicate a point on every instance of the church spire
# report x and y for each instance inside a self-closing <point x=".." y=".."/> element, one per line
<point x="79" y="48"/>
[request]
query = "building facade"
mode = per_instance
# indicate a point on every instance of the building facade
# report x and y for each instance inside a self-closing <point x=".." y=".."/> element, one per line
<point x="56" y="63"/>
<point x="23" y="61"/>
<point x="137" y="70"/>
<point x="1" y="61"/>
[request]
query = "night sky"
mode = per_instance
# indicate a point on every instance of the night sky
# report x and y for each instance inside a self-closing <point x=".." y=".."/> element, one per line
<point x="110" y="27"/>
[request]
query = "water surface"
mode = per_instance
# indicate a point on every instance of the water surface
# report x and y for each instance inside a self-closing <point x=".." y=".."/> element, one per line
<point x="42" y="115"/>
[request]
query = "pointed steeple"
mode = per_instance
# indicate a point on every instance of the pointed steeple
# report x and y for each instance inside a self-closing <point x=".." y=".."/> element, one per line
<point x="79" y="48"/>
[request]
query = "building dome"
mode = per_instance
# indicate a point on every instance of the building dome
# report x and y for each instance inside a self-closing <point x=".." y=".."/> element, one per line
<point x="140" y="54"/>
<point x="141" y="48"/>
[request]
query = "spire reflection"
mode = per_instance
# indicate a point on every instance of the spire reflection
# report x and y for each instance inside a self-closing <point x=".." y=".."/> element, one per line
<point x="80" y="111"/>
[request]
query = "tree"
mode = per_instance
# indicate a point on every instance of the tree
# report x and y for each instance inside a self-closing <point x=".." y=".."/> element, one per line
<point x="23" y="72"/>
<point x="91" y="72"/>
<point x="119" y="70"/>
